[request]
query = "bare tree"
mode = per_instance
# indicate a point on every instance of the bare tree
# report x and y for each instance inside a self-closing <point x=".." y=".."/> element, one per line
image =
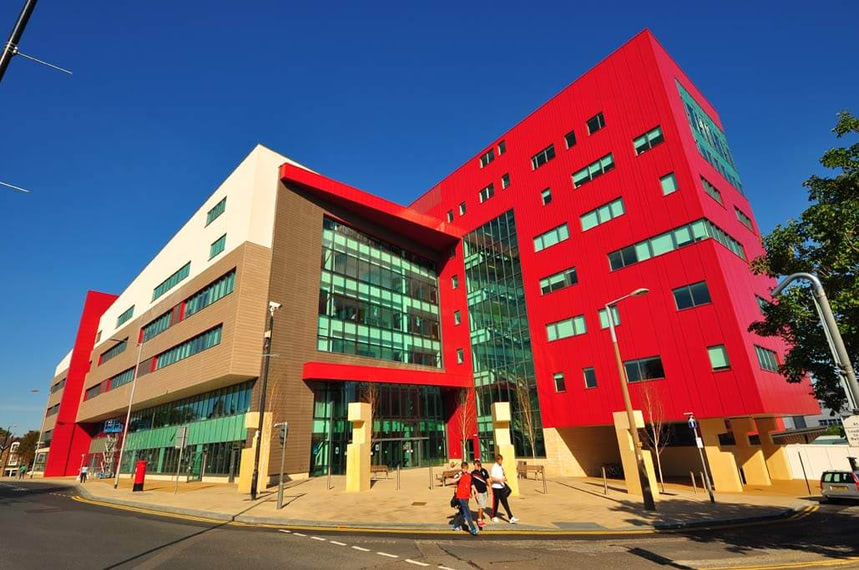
<point x="526" y="412"/>
<point x="656" y="434"/>
<point x="467" y="417"/>
<point x="371" y="394"/>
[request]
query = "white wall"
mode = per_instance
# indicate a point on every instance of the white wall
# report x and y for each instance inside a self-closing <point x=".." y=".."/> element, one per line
<point x="818" y="458"/>
<point x="64" y="364"/>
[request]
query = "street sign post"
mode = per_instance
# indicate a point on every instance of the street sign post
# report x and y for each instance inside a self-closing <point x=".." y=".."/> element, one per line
<point x="851" y="430"/>
<point x="699" y="443"/>
<point x="179" y="443"/>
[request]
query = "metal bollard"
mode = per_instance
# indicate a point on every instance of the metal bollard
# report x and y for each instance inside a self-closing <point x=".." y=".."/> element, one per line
<point x="694" y="486"/>
<point x="545" y="489"/>
<point x="430" y="477"/>
<point x="398" y="477"/>
<point x="604" y="482"/>
<point x="703" y="481"/>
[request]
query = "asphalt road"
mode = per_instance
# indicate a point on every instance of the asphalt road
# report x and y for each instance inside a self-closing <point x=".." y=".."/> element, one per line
<point x="41" y="526"/>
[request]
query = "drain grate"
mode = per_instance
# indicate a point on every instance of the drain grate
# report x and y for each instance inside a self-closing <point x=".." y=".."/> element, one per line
<point x="418" y="504"/>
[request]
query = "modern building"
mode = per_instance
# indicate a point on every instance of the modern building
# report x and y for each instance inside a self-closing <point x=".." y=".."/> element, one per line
<point x="491" y="286"/>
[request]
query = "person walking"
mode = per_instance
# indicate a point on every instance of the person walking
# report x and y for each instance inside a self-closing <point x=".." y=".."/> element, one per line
<point x="480" y="481"/>
<point x="22" y="471"/>
<point x="500" y="491"/>
<point x="463" y="494"/>
<point x="84" y="470"/>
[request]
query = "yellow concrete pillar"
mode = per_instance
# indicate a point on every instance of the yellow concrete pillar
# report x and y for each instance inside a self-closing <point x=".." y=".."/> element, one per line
<point x="627" y="454"/>
<point x="246" y="470"/>
<point x="774" y="454"/>
<point x="358" y="452"/>
<point x="750" y="457"/>
<point x="723" y="465"/>
<point x="504" y="445"/>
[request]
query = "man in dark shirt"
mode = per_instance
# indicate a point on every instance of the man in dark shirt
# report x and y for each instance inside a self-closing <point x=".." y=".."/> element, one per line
<point x="479" y="477"/>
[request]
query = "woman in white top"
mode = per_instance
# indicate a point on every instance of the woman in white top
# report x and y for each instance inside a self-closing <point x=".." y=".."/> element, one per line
<point x="499" y="480"/>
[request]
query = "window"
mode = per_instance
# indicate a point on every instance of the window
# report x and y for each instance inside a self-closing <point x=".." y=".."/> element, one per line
<point x="675" y="239"/>
<point x="543" y="157"/>
<point x="449" y="216"/>
<point x="711" y="190"/>
<point x="454" y="282"/>
<point x="644" y="369"/>
<point x="216" y="290"/>
<point x="502" y="148"/>
<point x="127" y="314"/>
<point x="762" y="303"/>
<point x="768" y="359"/>
<point x="692" y="295"/>
<point x="462" y="208"/>
<point x="574" y="326"/>
<point x="551" y="237"/>
<point x="570" y="139"/>
<point x="172" y="281"/>
<point x="668" y="183"/>
<point x="744" y="219"/>
<point x="457" y="318"/>
<point x="602" y="214"/>
<point x="216" y="210"/>
<point x="590" y="377"/>
<point x="58" y="386"/>
<point x="156" y="327"/>
<point x="487" y="193"/>
<point x="113" y="351"/>
<point x="560" y="386"/>
<point x="218" y="246"/>
<point x="487" y="157"/>
<point x="505" y="181"/>
<point x="190" y="347"/>
<point x="718" y="357"/>
<point x="615" y="315"/>
<point x="558" y="281"/>
<point x="595" y="123"/>
<point x="648" y="140"/>
<point x="52" y="410"/>
<point x="593" y="170"/>
<point x="460" y="356"/>
<point x="546" y="196"/>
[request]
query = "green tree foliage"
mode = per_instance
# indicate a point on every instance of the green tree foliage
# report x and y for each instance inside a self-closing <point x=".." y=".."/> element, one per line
<point x="27" y="447"/>
<point x="823" y="241"/>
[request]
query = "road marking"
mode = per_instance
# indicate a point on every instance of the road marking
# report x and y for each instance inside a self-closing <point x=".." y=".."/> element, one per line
<point x="361" y="549"/>
<point x="337" y="543"/>
<point x="318" y="538"/>
<point x="388" y="555"/>
<point x="416" y="563"/>
<point x="299" y="534"/>
<point x="284" y="530"/>
<point x="824" y="563"/>
<point x="440" y="567"/>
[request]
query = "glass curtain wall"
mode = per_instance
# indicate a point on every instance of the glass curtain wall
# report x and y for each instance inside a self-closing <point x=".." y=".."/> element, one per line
<point x="500" y="338"/>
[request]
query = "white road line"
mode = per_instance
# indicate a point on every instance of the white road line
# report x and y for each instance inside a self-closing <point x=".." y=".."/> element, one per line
<point x="318" y="538"/>
<point x="388" y="555"/>
<point x="416" y="563"/>
<point x="284" y="530"/>
<point x="440" y="567"/>
<point x="361" y="549"/>
<point x="337" y="543"/>
<point x="299" y="534"/>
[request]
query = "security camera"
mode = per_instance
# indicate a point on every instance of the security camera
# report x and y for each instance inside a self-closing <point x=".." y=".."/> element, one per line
<point x="273" y="306"/>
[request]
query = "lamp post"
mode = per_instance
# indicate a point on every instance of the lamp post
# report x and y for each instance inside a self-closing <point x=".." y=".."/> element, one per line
<point x="128" y="412"/>
<point x="266" y="354"/>
<point x="5" y="448"/>
<point x="833" y="336"/>
<point x="649" y="504"/>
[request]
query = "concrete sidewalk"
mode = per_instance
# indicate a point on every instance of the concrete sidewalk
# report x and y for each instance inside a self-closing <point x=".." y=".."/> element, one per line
<point x="568" y="505"/>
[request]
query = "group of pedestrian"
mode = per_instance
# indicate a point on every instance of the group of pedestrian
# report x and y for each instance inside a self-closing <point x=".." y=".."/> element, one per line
<point x="477" y="483"/>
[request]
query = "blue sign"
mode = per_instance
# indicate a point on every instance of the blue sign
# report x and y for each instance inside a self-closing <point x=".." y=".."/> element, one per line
<point x="693" y="423"/>
<point x="112" y="426"/>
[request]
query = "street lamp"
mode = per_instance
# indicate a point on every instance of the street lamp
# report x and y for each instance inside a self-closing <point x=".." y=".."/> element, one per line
<point x="128" y="412"/>
<point x="833" y="336"/>
<point x="266" y="354"/>
<point x="649" y="504"/>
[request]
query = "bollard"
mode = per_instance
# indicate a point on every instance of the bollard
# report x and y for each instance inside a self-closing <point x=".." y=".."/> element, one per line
<point x="604" y="482"/>
<point x="545" y="489"/>
<point x="398" y="477"/>
<point x="430" y="477"/>
<point x="694" y="486"/>
<point x="328" y="483"/>
<point x="703" y="481"/>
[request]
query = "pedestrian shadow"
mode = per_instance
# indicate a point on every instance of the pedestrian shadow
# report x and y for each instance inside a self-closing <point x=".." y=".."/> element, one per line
<point x="167" y="545"/>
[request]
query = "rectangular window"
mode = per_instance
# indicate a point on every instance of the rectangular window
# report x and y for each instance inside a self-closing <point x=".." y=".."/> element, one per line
<point x="454" y="282"/>
<point x="52" y="410"/>
<point x="590" y="377"/>
<point x="615" y="315"/>
<point x="543" y="157"/>
<point x="214" y="291"/>
<point x="560" y="386"/>
<point x="768" y="359"/>
<point x="58" y="386"/>
<point x="487" y="193"/>
<point x="669" y="241"/>
<point x="648" y="140"/>
<point x="570" y="139"/>
<point x="218" y="246"/>
<point x="487" y="157"/>
<point x="551" y="237"/>
<point x="574" y="326"/>
<point x="125" y="316"/>
<point x="156" y="327"/>
<point x="644" y="369"/>
<point x="558" y="281"/>
<point x="718" y="357"/>
<point x="190" y="347"/>
<point x="113" y="351"/>
<point x="502" y="148"/>
<point x="216" y="211"/>
<point x="593" y="170"/>
<point x="744" y="219"/>
<point x="172" y="281"/>
<point x="546" y="196"/>
<point x="711" y="190"/>
<point x="692" y="295"/>
<point x="602" y="214"/>
<point x="457" y="318"/>
<point x="505" y="181"/>
<point x="668" y="183"/>
<point x="449" y="216"/>
<point x="462" y="208"/>
<point x="596" y="123"/>
<point x="460" y="356"/>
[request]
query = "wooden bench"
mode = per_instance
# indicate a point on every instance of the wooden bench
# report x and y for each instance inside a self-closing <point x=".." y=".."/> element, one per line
<point x="379" y="469"/>
<point x="522" y="470"/>
<point x="447" y="474"/>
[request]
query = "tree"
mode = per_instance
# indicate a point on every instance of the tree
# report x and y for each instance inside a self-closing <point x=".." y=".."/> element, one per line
<point x="371" y="394"/>
<point x="27" y="447"/>
<point x="656" y="434"/>
<point x="466" y="416"/>
<point x="823" y="241"/>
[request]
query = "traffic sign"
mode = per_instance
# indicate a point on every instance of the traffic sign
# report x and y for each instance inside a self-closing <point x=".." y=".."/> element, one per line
<point x="112" y="426"/>
<point x="181" y="437"/>
<point x="693" y="423"/>
<point x="851" y="430"/>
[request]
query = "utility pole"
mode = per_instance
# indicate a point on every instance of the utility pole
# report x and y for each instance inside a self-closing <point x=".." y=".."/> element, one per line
<point x="266" y="354"/>
<point x="11" y="47"/>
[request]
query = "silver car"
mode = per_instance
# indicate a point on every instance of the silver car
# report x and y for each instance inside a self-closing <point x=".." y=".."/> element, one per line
<point x="836" y="485"/>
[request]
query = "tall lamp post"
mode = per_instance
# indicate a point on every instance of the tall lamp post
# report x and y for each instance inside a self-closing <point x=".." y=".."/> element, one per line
<point x="266" y="354"/>
<point x="128" y="412"/>
<point x="649" y="504"/>
<point x="833" y="336"/>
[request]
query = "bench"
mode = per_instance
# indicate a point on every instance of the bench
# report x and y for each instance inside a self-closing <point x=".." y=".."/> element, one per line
<point x="379" y="469"/>
<point x="522" y="470"/>
<point x="447" y="474"/>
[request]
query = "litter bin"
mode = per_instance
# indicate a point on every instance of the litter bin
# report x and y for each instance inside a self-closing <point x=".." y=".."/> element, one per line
<point x="139" y="475"/>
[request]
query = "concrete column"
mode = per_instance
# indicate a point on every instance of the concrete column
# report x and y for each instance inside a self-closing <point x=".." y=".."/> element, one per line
<point x="246" y="469"/>
<point x="358" y="452"/>
<point x="504" y="445"/>
<point x="774" y="454"/>
<point x="750" y="457"/>
<point x="723" y="465"/>
<point x="627" y="455"/>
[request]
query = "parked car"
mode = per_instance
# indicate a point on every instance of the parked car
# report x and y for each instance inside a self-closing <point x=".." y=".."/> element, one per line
<point x="836" y="485"/>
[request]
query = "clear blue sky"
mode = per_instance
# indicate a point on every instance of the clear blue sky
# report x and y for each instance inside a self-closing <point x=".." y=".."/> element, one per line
<point x="167" y="97"/>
